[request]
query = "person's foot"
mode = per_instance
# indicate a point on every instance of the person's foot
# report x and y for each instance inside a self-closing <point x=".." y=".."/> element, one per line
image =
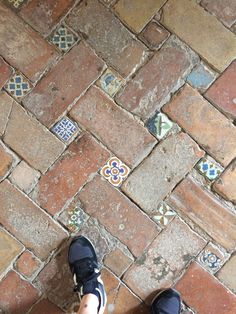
<point x="166" y="302"/>
<point x="83" y="263"/>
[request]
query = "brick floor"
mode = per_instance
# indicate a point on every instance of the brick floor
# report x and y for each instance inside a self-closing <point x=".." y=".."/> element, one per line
<point x="102" y="135"/>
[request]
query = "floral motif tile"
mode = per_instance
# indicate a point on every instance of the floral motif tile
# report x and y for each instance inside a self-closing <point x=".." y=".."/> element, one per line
<point x="115" y="171"/>
<point x="18" y="86"/>
<point x="65" y="129"/>
<point x="209" y="168"/>
<point x="163" y="214"/>
<point x="201" y="77"/>
<point x="63" y="38"/>
<point x="15" y="4"/>
<point x="159" y="125"/>
<point x="110" y="82"/>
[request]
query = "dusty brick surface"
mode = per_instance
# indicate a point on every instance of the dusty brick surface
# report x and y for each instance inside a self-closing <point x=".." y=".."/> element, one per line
<point x="5" y="109"/>
<point x="5" y="71"/>
<point x="46" y="306"/>
<point x="117" y="261"/>
<point x="205" y="293"/>
<point x="228" y="272"/>
<point x="57" y="90"/>
<point x="206" y="210"/>
<point x="27" y="264"/>
<point x="22" y="47"/>
<point x="193" y="113"/>
<point x="101" y="116"/>
<point x="143" y="96"/>
<point x="154" y="35"/>
<point x="6" y="162"/>
<point x="169" y="162"/>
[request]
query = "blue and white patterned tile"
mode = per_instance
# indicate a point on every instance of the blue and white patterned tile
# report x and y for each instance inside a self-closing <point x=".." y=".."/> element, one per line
<point x="18" y="86"/>
<point x="110" y="82"/>
<point x="209" y="168"/>
<point x="201" y="77"/>
<point x="65" y="129"/>
<point x="159" y="125"/>
<point x="63" y="38"/>
<point x="163" y="215"/>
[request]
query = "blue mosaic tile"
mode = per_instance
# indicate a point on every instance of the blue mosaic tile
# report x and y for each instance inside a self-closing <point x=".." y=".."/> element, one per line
<point x="18" y="86"/>
<point x="209" y="169"/>
<point x="65" y="129"/>
<point x="63" y="38"/>
<point x="159" y="125"/>
<point x="110" y="82"/>
<point x="200" y="77"/>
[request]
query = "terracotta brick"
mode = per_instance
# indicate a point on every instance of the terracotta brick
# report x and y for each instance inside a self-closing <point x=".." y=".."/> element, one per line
<point x="6" y="162"/>
<point x="206" y="210"/>
<point x="27" y="264"/>
<point x="101" y="116"/>
<point x="45" y="306"/>
<point x="104" y="32"/>
<point x="165" y="258"/>
<point x="82" y="158"/>
<point x="111" y="284"/>
<point x="57" y="90"/>
<point x="117" y="213"/>
<point x="154" y="35"/>
<point x="204" y="293"/>
<point x="168" y="163"/>
<point x="143" y="96"/>
<point x="44" y="15"/>
<point x="9" y="249"/>
<point x="228" y="272"/>
<point x="17" y="295"/>
<point x="226" y="184"/>
<point x="117" y="261"/>
<point x="5" y="109"/>
<point x="136" y="13"/>
<point x="193" y="113"/>
<point x="222" y="92"/>
<point x="22" y="47"/>
<point x="39" y="147"/>
<point x="225" y="11"/>
<point x="5" y="72"/>
<point x="202" y="31"/>
<point x="39" y="233"/>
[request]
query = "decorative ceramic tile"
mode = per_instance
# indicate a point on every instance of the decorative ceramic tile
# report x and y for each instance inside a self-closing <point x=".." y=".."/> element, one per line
<point x="159" y="125"/>
<point x="110" y="82"/>
<point x="18" y="86"/>
<point x="77" y="218"/>
<point x="209" y="168"/>
<point x="163" y="214"/>
<point x="201" y="77"/>
<point x="115" y="171"/>
<point x="15" y="4"/>
<point x="65" y="129"/>
<point x="63" y="38"/>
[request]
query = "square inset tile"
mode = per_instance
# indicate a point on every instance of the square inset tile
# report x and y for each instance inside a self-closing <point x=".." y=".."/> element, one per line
<point x="209" y="168"/>
<point x="163" y="214"/>
<point x="110" y="82"/>
<point x="15" y="4"/>
<point x="159" y="125"/>
<point x="18" y="86"/>
<point x="154" y="35"/>
<point x="115" y="171"/>
<point x="201" y="77"/>
<point x="65" y="129"/>
<point x="63" y="38"/>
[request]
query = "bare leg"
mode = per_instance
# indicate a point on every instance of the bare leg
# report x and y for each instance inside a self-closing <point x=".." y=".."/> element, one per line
<point x="89" y="304"/>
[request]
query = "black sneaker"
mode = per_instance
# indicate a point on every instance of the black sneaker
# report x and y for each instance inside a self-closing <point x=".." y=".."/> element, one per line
<point x="166" y="302"/>
<point x="83" y="263"/>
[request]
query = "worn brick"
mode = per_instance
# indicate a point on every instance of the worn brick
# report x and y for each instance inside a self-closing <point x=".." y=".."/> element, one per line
<point x="227" y="273"/>
<point x="44" y="15"/>
<point x="82" y="158"/>
<point x="27" y="264"/>
<point x="17" y="295"/>
<point x="9" y="249"/>
<point x="101" y="116"/>
<point x="193" y="113"/>
<point x="6" y="162"/>
<point x="5" y="109"/>
<point x="223" y="93"/>
<point x="27" y="222"/>
<point x="169" y="162"/>
<point x="201" y="31"/>
<point x="33" y="142"/>
<point x="164" y="259"/>
<point x="117" y="261"/>
<point x="204" y="293"/>
<point x="45" y="306"/>
<point x="112" y="284"/>
<point x="137" y="13"/>
<point x="57" y="90"/>
<point x="22" y="47"/>
<point x="5" y="72"/>
<point x="160" y="77"/>
<point x="108" y="36"/>
<point x="117" y="213"/>
<point x="154" y="35"/>
<point x="206" y="210"/>
<point x="225" y="11"/>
